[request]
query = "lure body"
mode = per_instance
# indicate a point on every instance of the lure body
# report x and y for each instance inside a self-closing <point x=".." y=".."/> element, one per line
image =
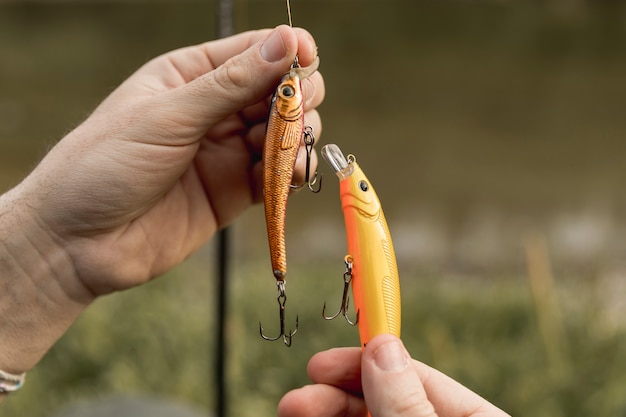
<point x="375" y="281"/>
<point x="282" y="141"/>
<point x="285" y="129"/>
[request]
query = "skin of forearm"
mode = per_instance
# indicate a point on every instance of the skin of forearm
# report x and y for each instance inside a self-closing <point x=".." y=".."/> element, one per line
<point x="38" y="301"/>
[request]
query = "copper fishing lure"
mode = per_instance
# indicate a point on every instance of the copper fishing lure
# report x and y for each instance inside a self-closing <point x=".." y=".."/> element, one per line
<point x="285" y="130"/>
<point x="371" y="265"/>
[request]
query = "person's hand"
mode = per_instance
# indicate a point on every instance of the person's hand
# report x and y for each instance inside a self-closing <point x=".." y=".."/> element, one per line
<point x="384" y="380"/>
<point x="171" y="156"/>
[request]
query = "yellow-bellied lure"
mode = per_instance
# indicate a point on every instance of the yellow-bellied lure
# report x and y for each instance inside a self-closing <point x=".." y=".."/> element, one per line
<point x="371" y="265"/>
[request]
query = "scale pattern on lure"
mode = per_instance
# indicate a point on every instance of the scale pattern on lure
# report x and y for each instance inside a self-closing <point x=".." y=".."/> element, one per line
<point x="371" y="265"/>
<point x="285" y="130"/>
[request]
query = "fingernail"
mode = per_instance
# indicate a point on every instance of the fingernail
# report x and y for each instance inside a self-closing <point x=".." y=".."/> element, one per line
<point x="391" y="357"/>
<point x="273" y="49"/>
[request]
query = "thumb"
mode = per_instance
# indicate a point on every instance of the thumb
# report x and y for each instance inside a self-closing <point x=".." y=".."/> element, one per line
<point x="244" y="79"/>
<point x="391" y="385"/>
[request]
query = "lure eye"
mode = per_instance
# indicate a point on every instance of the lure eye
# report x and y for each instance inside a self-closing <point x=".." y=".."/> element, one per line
<point x="287" y="91"/>
<point x="363" y="186"/>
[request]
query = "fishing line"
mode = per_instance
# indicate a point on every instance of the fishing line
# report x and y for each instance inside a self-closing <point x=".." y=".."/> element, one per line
<point x="289" y="13"/>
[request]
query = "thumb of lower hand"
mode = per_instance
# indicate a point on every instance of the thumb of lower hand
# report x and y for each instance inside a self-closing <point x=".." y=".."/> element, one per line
<point x="391" y="385"/>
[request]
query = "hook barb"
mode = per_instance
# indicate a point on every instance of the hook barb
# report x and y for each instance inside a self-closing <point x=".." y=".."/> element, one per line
<point x="282" y="300"/>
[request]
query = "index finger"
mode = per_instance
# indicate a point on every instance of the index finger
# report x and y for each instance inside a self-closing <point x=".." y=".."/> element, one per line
<point x="339" y="367"/>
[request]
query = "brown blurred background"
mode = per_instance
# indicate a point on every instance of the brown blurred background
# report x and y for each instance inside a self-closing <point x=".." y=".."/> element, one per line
<point x="493" y="132"/>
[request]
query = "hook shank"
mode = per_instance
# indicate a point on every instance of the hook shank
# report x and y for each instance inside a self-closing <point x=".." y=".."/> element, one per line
<point x="345" y="298"/>
<point x="309" y="141"/>
<point x="282" y="300"/>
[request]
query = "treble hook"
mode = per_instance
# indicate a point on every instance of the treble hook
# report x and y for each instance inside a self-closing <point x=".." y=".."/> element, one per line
<point x="309" y="141"/>
<point x="282" y="300"/>
<point x="345" y="298"/>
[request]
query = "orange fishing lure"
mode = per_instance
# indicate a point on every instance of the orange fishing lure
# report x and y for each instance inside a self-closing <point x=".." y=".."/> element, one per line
<point x="371" y="265"/>
<point x="285" y="130"/>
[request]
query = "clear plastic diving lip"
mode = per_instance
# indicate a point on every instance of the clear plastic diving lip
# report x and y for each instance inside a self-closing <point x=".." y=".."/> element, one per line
<point x="337" y="161"/>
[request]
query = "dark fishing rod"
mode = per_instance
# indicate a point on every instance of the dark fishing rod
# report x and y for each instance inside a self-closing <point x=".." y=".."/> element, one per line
<point x="225" y="27"/>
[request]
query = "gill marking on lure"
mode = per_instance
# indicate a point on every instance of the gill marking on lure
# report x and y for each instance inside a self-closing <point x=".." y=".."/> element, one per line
<point x="285" y="130"/>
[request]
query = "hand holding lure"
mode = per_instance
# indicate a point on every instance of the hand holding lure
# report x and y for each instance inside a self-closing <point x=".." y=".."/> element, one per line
<point x="285" y="130"/>
<point x="371" y="261"/>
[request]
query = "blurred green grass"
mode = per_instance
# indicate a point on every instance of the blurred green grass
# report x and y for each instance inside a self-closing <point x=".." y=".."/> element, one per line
<point x="483" y="332"/>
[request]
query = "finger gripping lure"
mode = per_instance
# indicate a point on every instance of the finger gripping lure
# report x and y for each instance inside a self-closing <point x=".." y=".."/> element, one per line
<point x="371" y="260"/>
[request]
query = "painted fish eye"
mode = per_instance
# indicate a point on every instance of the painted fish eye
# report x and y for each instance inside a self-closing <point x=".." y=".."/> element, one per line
<point x="287" y="91"/>
<point x="363" y="186"/>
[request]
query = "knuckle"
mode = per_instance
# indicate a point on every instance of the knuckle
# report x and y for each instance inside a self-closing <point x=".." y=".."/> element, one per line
<point x="233" y="74"/>
<point x="414" y="405"/>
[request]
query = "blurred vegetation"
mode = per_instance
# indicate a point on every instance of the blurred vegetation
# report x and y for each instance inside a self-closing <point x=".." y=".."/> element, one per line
<point x="484" y="332"/>
<point x="480" y="123"/>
